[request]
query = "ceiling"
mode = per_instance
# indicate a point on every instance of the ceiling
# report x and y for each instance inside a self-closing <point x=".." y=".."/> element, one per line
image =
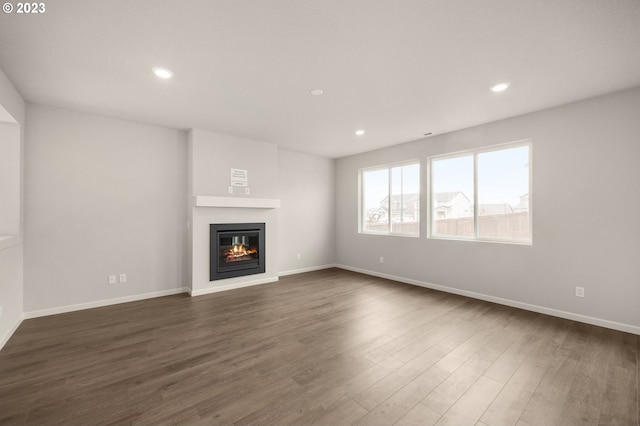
<point x="396" y="68"/>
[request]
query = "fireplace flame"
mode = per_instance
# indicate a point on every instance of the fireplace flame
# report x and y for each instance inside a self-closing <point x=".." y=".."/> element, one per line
<point x="239" y="252"/>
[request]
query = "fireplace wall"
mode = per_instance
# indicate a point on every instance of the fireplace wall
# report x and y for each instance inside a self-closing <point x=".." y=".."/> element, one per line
<point x="211" y="156"/>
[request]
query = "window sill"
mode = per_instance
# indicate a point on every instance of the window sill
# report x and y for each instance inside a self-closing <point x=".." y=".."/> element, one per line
<point x="390" y="234"/>
<point x="482" y="240"/>
<point x="7" y="241"/>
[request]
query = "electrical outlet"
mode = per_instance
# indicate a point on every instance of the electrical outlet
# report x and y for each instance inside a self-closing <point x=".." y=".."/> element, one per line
<point x="247" y="191"/>
<point x="123" y="278"/>
<point x="112" y="279"/>
<point x="298" y="256"/>
<point x="579" y="291"/>
<point x="381" y="259"/>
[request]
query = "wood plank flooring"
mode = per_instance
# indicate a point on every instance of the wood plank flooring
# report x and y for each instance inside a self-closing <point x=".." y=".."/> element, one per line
<point x="330" y="348"/>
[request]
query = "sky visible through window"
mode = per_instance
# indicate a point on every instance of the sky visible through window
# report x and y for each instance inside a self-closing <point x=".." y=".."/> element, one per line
<point x="376" y="183"/>
<point x="453" y="175"/>
<point x="503" y="175"/>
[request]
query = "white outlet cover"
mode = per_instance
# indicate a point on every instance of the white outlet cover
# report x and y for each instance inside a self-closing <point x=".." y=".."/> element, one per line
<point x="112" y="279"/>
<point x="123" y="278"/>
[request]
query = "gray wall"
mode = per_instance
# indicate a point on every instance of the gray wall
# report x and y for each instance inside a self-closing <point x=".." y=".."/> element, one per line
<point x="106" y="196"/>
<point x="10" y="177"/>
<point x="586" y="203"/>
<point x="306" y="187"/>
<point x="11" y="256"/>
<point x="102" y="196"/>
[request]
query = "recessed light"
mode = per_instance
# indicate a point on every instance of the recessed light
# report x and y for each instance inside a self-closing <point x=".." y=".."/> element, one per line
<point x="500" y="87"/>
<point x="162" y="72"/>
<point x="316" y="92"/>
<point x="359" y="132"/>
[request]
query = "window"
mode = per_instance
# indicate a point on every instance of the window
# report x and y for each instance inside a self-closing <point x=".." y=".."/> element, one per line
<point x="390" y="200"/>
<point x="482" y="194"/>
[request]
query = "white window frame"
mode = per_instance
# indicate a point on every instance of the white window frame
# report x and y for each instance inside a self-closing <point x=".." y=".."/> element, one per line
<point x="475" y="152"/>
<point x="388" y="167"/>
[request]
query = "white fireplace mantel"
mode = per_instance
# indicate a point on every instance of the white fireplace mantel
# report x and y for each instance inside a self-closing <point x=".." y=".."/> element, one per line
<point x="237" y="202"/>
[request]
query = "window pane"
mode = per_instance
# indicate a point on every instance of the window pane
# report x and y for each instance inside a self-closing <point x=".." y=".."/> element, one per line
<point x="405" y="199"/>
<point x="396" y="194"/>
<point x="452" y="197"/>
<point x="375" y="215"/>
<point x="503" y="194"/>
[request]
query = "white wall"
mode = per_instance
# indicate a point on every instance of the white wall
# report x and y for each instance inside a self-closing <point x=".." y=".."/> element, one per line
<point x="11" y="249"/>
<point x="586" y="205"/>
<point x="102" y="196"/>
<point x="214" y="154"/>
<point x="306" y="186"/>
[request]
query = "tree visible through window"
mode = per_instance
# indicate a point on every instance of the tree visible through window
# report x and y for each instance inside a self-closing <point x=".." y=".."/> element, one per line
<point x="482" y="194"/>
<point x="391" y="200"/>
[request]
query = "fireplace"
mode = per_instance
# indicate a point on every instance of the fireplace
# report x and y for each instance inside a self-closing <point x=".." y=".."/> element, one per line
<point x="236" y="249"/>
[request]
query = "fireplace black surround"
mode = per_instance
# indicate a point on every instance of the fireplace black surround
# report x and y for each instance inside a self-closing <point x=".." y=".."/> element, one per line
<point x="236" y="249"/>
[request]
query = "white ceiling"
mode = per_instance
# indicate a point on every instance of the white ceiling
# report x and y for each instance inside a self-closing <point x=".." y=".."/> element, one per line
<point x="396" y="68"/>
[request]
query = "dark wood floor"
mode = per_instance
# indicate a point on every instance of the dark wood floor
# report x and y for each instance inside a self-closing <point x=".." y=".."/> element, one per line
<point x="329" y="347"/>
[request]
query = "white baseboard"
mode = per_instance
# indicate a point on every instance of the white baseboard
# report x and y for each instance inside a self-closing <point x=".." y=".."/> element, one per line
<point x="12" y="330"/>
<point x="303" y="270"/>
<point x="217" y="288"/>
<point x="106" y="302"/>
<point x="628" y="328"/>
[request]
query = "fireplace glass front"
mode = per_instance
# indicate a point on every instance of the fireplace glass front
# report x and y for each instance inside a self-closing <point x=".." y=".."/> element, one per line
<point x="236" y="250"/>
